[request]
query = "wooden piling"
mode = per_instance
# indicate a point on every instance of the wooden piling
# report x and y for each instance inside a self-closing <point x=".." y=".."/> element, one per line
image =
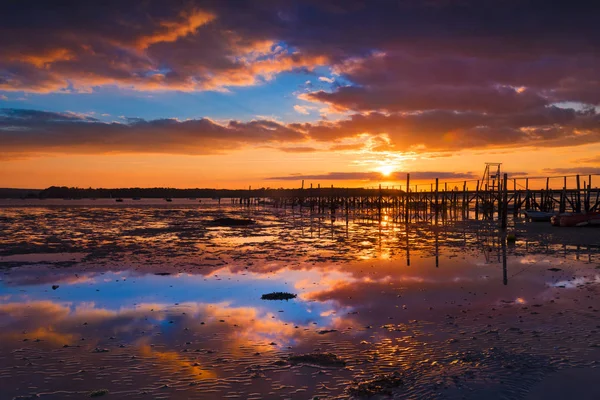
<point x="406" y="203"/>
<point x="437" y="208"/>
<point x="578" y="196"/>
<point x="505" y="202"/>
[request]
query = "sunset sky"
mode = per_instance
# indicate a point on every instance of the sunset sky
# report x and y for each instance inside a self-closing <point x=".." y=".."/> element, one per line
<point x="269" y="92"/>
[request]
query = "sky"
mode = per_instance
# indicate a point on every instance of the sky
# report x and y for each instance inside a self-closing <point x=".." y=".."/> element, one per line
<point x="267" y="93"/>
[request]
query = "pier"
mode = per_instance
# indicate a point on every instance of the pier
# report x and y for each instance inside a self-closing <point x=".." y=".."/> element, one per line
<point x="491" y="198"/>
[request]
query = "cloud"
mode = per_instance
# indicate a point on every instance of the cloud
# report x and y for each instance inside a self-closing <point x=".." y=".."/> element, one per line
<point x="301" y="109"/>
<point x="146" y="47"/>
<point x="591" y="160"/>
<point x="299" y="149"/>
<point x="30" y="131"/>
<point x="417" y="98"/>
<point x="427" y="74"/>
<point x="376" y="176"/>
<point x="573" y="171"/>
<point x="211" y="45"/>
<point x="325" y="79"/>
<point x="441" y="130"/>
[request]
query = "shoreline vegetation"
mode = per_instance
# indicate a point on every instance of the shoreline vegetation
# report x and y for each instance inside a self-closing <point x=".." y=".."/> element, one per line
<point x="63" y="192"/>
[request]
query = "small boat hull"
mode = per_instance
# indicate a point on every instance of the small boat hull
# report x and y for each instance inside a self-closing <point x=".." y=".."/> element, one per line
<point x="539" y="216"/>
<point x="576" y="219"/>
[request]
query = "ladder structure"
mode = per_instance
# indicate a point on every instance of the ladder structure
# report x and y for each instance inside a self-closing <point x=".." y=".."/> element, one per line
<point x="491" y="185"/>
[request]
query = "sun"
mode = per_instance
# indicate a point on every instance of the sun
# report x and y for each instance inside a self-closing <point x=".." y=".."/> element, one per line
<point x="386" y="170"/>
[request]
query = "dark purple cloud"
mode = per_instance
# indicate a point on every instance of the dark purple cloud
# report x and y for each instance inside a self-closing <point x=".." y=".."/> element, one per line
<point x="448" y="130"/>
<point x="376" y="176"/>
<point x="573" y="170"/>
<point x="23" y="131"/>
<point x="38" y="131"/>
<point x="196" y="45"/>
<point x="433" y="75"/>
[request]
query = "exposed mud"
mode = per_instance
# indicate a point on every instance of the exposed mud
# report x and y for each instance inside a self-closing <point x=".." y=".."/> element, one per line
<point x="152" y="302"/>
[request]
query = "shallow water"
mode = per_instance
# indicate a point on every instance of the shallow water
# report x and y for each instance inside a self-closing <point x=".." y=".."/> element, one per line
<point x="147" y="301"/>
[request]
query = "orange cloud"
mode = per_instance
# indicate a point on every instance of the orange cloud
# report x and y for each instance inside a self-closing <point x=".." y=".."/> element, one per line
<point x="42" y="60"/>
<point x="170" y="31"/>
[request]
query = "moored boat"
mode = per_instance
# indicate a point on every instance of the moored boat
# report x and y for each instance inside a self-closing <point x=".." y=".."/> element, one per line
<point x="576" y="219"/>
<point x="539" y="216"/>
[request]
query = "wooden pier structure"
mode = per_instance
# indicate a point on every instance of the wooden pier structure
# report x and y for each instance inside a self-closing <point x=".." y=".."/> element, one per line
<point x="495" y="197"/>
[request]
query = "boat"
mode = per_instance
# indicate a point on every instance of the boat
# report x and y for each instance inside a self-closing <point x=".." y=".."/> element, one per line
<point x="576" y="219"/>
<point x="168" y="199"/>
<point x="119" y="200"/>
<point x="539" y="216"/>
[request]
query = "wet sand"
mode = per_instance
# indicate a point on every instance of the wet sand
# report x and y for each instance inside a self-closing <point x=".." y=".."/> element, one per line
<point x="150" y="301"/>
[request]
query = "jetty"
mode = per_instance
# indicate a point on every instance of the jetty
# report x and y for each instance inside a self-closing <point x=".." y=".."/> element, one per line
<point x="494" y="197"/>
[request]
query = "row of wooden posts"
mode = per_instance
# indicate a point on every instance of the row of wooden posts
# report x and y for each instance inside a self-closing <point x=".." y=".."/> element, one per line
<point x="495" y="201"/>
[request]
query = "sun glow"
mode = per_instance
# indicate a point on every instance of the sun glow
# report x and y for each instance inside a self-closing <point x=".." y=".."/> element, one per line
<point x="386" y="170"/>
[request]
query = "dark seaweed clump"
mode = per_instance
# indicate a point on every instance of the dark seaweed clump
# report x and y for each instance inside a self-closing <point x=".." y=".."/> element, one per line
<point x="232" y="222"/>
<point x="324" y="359"/>
<point x="99" y="393"/>
<point x="381" y="384"/>
<point x="278" y="296"/>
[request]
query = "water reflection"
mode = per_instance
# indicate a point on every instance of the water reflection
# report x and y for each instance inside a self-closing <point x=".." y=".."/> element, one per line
<point x="152" y="302"/>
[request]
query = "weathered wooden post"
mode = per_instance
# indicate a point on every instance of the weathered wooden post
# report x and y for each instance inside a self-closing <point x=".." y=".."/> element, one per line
<point x="477" y="201"/>
<point x="588" y="194"/>
<point x="436" y="201"/>
<point x="464" y="196"/>
<point x="527" y="195"/>
<point x="505" y="202"/>
<point x="578" y="203"/>
<point x="319" y="205"/>
<point x="379" y="203"/>
<point x="563" y="197"/>
<point x="407" y="196"/>
<point x="347" y="206"/>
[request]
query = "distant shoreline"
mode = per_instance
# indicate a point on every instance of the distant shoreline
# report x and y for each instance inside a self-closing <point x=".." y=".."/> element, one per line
<point x="62" y="192"/>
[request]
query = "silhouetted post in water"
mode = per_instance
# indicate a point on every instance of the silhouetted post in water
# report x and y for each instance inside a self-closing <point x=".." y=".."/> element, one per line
<point x="464" y="199"/>
<point x="477" y="201"/>
<point x="407" y="194"/>
<point x="527" y="200"/>
<point x="301" y="199"/>
<point x="332" y="205"/>
<point x="504" y="201"/>
<point x="504" y="268"/>
<point x="563" y="197"/>
<point x="516" y="202"/>
<point x="379" y="203"/>
<point x="545" y="199"/>
<point x="407" y="247"/>
<point x="578" y="203"/>
<point x="436" y="200"/>
<point x="437" y="250"/>
<point x="347" y="208"/>
<point x="319" y="200"/>
<point x="588" y="195"/>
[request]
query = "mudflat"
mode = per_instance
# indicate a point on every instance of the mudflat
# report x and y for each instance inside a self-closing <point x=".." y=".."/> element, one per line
<point x="152" y="301"/>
